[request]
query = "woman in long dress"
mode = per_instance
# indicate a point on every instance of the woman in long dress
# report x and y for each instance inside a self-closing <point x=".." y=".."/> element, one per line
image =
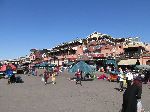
<point x="54" y="77"/>
<point x="45" y="76"/>
<point x="131" y="96"/>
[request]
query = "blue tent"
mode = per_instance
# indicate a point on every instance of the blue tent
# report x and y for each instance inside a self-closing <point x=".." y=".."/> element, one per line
<point x="111" y="62"/>
<point x="84" y="67"/>
<point x="52" y="65"/>
<point x="70" y="63"/>
<point x="45" y="64"/>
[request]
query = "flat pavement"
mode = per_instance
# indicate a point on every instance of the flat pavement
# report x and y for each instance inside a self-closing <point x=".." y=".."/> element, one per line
<point x="34" y="96"/>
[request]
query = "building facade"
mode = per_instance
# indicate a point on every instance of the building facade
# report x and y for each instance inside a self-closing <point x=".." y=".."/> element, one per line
<point x="96" y="46"/>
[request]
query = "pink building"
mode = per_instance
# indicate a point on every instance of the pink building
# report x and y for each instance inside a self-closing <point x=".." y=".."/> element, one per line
<point x="104" y="45"/>
<point x="96" y="46"/>
<point x="145" y="59"/>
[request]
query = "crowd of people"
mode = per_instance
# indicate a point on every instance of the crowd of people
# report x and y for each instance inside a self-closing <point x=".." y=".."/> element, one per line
<point x="130" y="84"/>
<point x="8" y="72"/>
<point x="49" y="74"/>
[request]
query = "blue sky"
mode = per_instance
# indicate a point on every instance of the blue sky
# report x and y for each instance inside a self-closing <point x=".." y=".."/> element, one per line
<point x="26" y="24"/>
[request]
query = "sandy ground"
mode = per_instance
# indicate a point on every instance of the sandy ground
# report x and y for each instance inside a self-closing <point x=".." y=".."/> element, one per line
<point x="65" y="96"/>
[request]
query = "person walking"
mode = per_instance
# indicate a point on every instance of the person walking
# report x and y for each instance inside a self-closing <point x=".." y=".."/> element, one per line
<point x="54" y="77"/>
<point x="147" y="76"/>
<point x="131" y="96"/>
<point x="33" y="71"/>
<point x="45" y="76"/>
<point x="78" y="77"/>
<point x="129" y="78"/>
<point x="11" y="76"/>
<point x="121" y="79"/>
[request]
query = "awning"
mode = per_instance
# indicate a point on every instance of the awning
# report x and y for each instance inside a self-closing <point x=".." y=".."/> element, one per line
<point x="70" y="63"/>
<point x="128" y="62"/>
<point x="83" y="57"/>
<point x="111" y="62"/>
<point x="142" y="67"/>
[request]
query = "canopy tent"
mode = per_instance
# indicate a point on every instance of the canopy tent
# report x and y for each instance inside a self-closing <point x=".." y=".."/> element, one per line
<point x="45" y="64"/>
<point x="41" y="65"/>
<point x="142" y="67"/>
<point x="111" y="62"/>
<point x="52" y="65"/>
<point x="13" y="67"/>
<point x="83" y="57"/>
<point x="49" y="67"/>
<point x="70" y="63"/>
<point x="128" y="62"/>
<point x="5" y="67"/>
<point x="81" y="65"/>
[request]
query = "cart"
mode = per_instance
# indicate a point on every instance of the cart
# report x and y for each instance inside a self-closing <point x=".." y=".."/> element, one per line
<point x="113" y="77"/>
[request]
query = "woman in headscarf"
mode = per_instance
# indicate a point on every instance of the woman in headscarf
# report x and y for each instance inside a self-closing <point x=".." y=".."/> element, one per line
<point x="131" y="96"/>
<point x="45" y="76"/>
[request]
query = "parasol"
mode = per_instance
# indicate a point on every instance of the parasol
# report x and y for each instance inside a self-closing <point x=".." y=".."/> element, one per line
<point x="3" y="68"/>
<point x="82" y="66"/>
<point x="13" y="67"/>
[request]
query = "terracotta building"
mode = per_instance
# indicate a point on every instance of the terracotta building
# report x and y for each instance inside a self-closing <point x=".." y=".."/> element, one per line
<point x="96" y="46"/>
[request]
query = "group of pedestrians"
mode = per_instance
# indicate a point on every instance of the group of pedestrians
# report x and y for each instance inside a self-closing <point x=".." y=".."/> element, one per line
<point x="132" y="93"/>
<point x="125" y="79"/>
<point x="49" y="74"/>
<point x="132" y="96"/>
<point x="10" y="75"/>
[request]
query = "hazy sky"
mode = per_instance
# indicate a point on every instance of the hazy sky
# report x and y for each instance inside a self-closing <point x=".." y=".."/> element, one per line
<point x="26" y="24"/>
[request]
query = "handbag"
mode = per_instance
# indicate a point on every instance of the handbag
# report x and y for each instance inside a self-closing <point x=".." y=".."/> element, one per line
<point x="42" y="79"/>
<point x="139" y="106"/>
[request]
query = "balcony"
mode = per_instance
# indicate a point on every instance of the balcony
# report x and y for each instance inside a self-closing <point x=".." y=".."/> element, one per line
<point x="129" y="56"/>
<point x="146" y="55"/>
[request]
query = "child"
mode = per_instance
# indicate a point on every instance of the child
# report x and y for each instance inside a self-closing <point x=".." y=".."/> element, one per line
<point x="54" y="77"/>
<point x="46" y="76"/>
<point x="78" y="77"/>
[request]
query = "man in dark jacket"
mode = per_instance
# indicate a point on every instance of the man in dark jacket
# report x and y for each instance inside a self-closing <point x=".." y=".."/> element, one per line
<point x="131" y="95"/>
<point x="147" y="76"/>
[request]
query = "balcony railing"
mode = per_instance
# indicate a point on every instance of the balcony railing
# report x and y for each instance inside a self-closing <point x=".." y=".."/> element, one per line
<point x="146" y="55"/>
<point x="129" y="56"/>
